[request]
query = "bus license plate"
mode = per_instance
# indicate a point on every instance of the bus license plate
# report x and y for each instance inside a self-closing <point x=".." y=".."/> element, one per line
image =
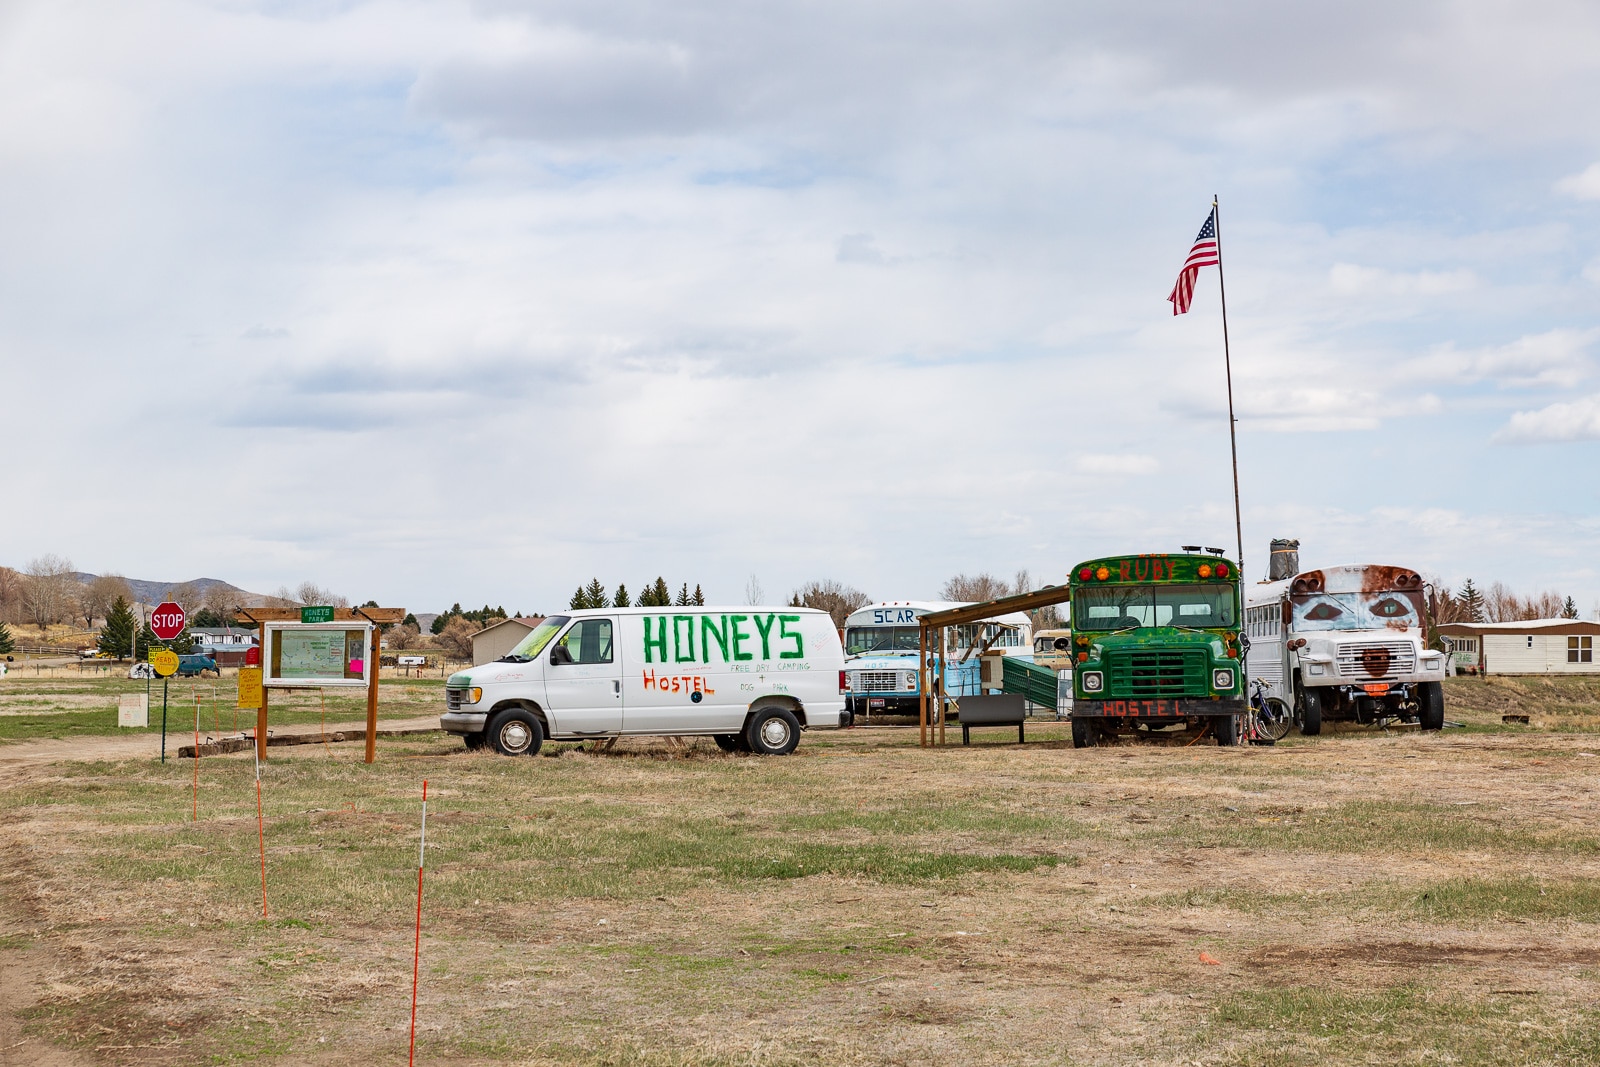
<point x="875" y="702"/>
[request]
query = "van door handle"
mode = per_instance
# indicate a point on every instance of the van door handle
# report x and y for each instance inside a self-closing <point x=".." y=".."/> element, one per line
<point x="616" y="686"/>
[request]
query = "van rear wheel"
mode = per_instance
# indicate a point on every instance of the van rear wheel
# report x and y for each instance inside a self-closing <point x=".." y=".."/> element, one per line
<point x="731" y="742"/>
<point x="772" y="732"/>
<point x="515" y="732"/>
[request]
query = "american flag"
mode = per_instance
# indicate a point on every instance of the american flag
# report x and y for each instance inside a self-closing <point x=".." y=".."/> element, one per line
<point x="1202" y="254"/>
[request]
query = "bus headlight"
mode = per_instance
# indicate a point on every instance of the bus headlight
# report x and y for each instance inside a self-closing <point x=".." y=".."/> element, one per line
<point x="1093" y="681"/>
<point x="1222" y="679"/>
<point x="908" y="680"/>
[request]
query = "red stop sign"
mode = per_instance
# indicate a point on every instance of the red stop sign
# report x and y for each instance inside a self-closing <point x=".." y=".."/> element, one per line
<point x="166" y="622"/>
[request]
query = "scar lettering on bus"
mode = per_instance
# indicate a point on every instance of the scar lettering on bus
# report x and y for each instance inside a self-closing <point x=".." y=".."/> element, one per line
<point x="676" y="683"/>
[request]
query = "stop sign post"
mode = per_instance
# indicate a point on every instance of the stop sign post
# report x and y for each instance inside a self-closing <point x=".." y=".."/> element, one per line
<point x="166" y="622"/>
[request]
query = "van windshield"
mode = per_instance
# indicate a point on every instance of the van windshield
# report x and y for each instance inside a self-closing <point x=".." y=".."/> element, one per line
<point x="534" y="643"/>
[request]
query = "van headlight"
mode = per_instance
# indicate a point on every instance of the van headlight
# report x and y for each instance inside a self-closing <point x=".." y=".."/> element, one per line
<point x="1093" y="681"/>
<point x="474" y="694"/>
<point x="1222" y="679"/>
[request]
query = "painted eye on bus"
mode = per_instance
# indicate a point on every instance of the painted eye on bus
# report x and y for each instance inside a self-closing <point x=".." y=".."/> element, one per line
<point x="1390" y="608"/>
<point x="1323" y="612"/>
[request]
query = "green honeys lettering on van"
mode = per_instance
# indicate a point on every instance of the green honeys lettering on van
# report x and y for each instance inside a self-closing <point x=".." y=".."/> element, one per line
<point x="726" y="633"/>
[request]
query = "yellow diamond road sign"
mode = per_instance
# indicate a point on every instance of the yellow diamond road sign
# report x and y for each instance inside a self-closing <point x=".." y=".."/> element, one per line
<point x="165" y="661"/>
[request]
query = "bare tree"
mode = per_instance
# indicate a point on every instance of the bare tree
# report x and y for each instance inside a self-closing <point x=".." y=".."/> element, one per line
<point x="10" y="595"/>
<point x="47" y="590"/>
<point x="836" y="598"/>
<point x="1501" y="604"/>
<point x="456" y="637"/>
<point x="977" y="588"/>
<point x="221" y="599"/>
<point x="96" y="597"/>
<point x="311" y="594"/>
<point x="402" y="637"/>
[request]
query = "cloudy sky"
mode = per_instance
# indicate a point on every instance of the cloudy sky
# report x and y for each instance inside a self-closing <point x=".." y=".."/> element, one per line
<point x="438" y="302"/>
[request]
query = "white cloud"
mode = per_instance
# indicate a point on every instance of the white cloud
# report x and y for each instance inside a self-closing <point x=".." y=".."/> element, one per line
<point x="1350" y="279"/>
<point x="1116" y="464"/>
<point x="1582" y="186"/>
<point x="1553" y="358"/>
<point x="1575" y="420"/>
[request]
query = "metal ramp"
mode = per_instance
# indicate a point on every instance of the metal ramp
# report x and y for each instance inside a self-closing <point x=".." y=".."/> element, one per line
<point x="1036" y="683"/>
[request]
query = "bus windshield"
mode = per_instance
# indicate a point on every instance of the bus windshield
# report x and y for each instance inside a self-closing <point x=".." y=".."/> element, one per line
<point x="861" y="640"/>
<point x="534" y="643"/>
<point x="1357" y="611"/>
<point x="1124" y="607"/>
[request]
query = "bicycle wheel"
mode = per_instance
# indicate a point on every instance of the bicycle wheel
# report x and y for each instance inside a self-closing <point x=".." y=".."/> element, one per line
<point x="1274" y="721"/>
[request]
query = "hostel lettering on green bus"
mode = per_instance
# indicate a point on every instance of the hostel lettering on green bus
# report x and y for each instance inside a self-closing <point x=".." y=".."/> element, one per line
<point x="728" y="634"/>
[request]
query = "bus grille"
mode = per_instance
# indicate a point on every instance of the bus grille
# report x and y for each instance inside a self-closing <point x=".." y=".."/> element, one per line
<point x="875" y="681"/>
<point x="1181" y="672"/>
<point x="1376" y="660"/>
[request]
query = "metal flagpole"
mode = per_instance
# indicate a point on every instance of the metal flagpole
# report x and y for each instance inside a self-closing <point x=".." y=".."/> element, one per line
<point x="1227" y="362"/>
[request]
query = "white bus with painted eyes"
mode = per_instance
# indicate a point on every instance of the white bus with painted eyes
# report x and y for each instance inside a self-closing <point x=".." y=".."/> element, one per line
<point x="752" y="678"/>
<point x="1346" y="643"/>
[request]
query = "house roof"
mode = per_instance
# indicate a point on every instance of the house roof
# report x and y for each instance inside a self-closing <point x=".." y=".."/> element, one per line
<point x="1522" y="626"/>
<point x="523" y="621"/>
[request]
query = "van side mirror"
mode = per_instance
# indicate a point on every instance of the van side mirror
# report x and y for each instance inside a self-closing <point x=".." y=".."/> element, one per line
<point x="559" y="655"/>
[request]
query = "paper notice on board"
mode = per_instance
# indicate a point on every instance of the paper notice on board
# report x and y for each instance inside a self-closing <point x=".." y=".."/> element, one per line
<point x="249" y="688"/>
<point x="310" y="654"/>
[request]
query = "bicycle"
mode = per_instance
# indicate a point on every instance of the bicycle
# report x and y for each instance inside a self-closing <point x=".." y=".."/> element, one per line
<point x="1269" y="718"/>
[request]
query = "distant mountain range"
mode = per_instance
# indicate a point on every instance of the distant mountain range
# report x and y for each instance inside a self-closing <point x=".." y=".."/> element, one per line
<point x="148" y="592"/>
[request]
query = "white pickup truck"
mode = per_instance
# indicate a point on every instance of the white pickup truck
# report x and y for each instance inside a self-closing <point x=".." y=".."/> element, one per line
<point x="752" y="678"/>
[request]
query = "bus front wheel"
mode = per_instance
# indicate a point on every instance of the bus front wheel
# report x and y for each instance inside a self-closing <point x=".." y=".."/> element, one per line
<point x="1430" y="698"/>
<point x="1226" y="727"/>
<point x="1084" y="734"/>
<point x="1310" y="712"/>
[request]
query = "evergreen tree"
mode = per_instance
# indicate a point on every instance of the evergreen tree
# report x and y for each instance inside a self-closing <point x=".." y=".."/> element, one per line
<point x="597" y="594"/>
<point x="656" y="594"/>
<point x="621" y="600"/>
<point x="116" y="637"/>
<point x="410" y="620"/>
<point x="1471" y="601"/>
<point x="6" y="643"/>
<point x="795" y="602"/>
<point x="699" y="599"/>
<point x="1569" y="610"/>
<point x="579" y="601"/>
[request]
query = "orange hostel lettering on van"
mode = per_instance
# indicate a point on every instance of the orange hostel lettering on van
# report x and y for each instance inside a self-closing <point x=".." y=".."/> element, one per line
<point x="676" y="683"/>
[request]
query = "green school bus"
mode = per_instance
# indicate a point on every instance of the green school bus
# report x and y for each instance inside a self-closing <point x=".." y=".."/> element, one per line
<point x="1156" y="647"/>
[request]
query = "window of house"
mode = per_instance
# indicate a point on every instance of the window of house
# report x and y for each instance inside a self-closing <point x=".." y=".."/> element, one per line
<point x="1530" y="640"/>
<point x="1580" y="650"/>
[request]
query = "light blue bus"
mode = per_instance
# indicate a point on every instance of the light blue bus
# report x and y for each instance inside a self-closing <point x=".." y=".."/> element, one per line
<point x="880" y="648"/>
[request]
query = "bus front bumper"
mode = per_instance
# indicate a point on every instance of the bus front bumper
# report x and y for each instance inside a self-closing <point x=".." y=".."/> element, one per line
<point x="1170" y="709"/>
<point x="463" y="722"/>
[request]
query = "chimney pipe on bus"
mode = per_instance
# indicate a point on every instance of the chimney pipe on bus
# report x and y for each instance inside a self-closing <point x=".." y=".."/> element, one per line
<point x="1283" y="560"/>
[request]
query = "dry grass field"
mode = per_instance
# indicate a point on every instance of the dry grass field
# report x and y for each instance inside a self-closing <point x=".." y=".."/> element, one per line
<point x="1357" y="898"/>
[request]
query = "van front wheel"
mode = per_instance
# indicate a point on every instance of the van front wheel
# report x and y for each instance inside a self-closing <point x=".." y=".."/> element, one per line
<point x="515" y="732"/>
<point x="772" y="732"/>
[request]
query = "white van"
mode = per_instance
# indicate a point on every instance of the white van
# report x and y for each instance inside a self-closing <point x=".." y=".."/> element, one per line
<point x="752" y="678"/>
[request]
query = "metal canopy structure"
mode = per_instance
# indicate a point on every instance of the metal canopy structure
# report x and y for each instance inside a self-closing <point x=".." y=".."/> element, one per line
<point x="379" y="616"/>
<point x="930" y="683"/>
